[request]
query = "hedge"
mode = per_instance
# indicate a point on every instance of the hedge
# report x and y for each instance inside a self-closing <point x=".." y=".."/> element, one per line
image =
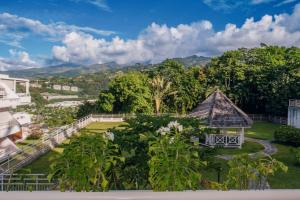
<point x="287" y="135"/>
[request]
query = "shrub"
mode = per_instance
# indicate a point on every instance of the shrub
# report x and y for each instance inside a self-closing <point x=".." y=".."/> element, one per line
<point x="288" y="135"/>
<point x="297" y="155"/>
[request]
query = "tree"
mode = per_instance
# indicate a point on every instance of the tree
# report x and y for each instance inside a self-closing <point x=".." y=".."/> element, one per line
<point x="160" y="89"/>
<point x="132" y="93"/>
<point x="106" y="101"/>
<point x="259" y="80"/>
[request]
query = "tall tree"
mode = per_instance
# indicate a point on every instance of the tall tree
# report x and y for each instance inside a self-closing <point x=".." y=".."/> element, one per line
<point x="160" y="89"/>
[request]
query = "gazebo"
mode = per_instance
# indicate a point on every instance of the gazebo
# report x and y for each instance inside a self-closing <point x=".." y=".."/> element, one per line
<point x="219" y="112"/>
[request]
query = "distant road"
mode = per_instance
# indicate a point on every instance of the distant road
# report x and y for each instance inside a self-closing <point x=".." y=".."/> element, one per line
<point x="147" y="195"/>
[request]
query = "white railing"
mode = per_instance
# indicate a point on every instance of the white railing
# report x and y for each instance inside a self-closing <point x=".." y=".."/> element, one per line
<point x="31" y="152"/>
<point x="11" y="102"/>
<point x="220" y="140"/>
<point x="269" y="118"/>
<point x="25" y="182"/>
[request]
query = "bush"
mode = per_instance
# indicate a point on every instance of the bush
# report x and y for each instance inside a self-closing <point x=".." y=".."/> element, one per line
<point x="288" y="135"/>
<point x="297" y="156"/>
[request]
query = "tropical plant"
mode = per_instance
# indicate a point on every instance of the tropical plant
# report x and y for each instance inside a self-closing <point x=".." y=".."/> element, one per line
<point x="245" y="172"/>
<point x="174" y="161"/>
<point x="87" y="163"/>
<point x="160" y="89"/>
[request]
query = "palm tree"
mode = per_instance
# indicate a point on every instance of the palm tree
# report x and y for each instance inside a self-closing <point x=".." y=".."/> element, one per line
<point x="160" y="89"/>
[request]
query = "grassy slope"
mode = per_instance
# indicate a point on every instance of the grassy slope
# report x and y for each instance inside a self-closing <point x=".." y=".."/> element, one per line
<point x="262" y="130"/>
<point x="248" y="147"/>
<point x="291" y="179"/>
<point x="42" y="164"/>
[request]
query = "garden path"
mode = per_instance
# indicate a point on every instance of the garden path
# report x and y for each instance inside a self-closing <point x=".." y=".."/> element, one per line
<point x="269" y="149"/>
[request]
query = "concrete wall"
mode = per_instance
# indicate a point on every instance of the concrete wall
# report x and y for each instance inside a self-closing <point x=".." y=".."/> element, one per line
<point x="294" y="116"/>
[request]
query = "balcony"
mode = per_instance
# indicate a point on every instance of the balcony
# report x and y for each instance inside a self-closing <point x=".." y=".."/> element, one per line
<point x="294" y="103"/>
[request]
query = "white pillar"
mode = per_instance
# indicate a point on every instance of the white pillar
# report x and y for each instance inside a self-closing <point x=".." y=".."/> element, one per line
<point x="15" y="86"/>
<point x="27" y="87"/>
<point x="243" y="135"/>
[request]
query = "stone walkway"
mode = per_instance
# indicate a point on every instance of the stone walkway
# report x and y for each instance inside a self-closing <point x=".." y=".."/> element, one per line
<point x="269" y="149"/>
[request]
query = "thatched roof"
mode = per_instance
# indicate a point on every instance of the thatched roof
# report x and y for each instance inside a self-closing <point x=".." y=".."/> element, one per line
<point x="220" y="112"/>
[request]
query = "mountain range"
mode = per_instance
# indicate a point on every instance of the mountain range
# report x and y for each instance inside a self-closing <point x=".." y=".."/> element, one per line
<point x="71" y="69"/>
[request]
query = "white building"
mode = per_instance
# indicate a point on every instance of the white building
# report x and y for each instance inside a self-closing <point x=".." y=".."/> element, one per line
<point x="13" y="127"/>
<point x="35" y="85"/>
<point x="65" y="87"/>
<point x="56" y="87"/>
<point x="51" y="96"/>
<point x="294" y="113"/>
<point x="74" y="89"/>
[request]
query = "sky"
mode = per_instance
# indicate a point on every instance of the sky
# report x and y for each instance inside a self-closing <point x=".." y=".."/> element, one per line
<point x="39" y="33"/>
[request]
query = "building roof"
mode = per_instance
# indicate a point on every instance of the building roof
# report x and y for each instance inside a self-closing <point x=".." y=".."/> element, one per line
<point x="219" y="111"/>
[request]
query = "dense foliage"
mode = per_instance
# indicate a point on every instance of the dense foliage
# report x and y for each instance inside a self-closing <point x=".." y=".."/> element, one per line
<point x="87" y="163"/>
<point x="174" y="163"/>
<point x="288" y="135"/>
<point x="152" y="153"/>
<point x="259" y="80"/>
<point x="246" y="172"/>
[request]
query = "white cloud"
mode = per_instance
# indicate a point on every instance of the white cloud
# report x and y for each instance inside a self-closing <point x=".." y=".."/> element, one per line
<point x="158" y="42"/>
<point x="286" y="2"/>
<point x="256" y="2"/>
<point x="98" y="3"/>
<point x="17" y="60"/>
<point x="13" y="29"/>
<point x="228" y="5"/>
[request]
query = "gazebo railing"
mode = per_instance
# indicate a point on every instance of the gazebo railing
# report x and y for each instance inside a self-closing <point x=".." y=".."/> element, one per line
<point x="224" y="140"/>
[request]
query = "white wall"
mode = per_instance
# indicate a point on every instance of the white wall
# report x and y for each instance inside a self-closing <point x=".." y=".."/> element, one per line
<point x="294" y="116"/>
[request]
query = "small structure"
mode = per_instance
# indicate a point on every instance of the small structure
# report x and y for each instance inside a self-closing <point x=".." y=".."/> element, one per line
<point x="56" y="87"/>
<point x="35" y="85"/>
<point x="51" y="96"/>
<point x="74" y="89"/>
<point x="65" y="88"/>
<point x="219" y="112"/>
<point x="294" y="113"/>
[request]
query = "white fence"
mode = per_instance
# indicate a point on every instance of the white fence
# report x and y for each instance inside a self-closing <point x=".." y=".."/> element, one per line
<point x="269" y="118"/>
<point x="31" y="152"/>
<point x="26" y="182"/>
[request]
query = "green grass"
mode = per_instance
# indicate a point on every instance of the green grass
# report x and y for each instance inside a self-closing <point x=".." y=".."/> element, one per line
<point x="248" y="147"/>
<point x="42" y="164"/>
<point x="211" y="174"/>
<point x="262" y="130"/>
<point x="291" y="179"/>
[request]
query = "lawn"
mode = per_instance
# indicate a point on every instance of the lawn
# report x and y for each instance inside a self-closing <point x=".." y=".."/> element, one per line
<point x="291" y="179"/>
<point x="262" y="130"/>
<point x="248" y="147"/>
<point x="42" y="164"/>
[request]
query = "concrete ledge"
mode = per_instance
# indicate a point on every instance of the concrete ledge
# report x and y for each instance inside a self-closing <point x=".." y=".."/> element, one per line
<point x="148" y="195"/>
